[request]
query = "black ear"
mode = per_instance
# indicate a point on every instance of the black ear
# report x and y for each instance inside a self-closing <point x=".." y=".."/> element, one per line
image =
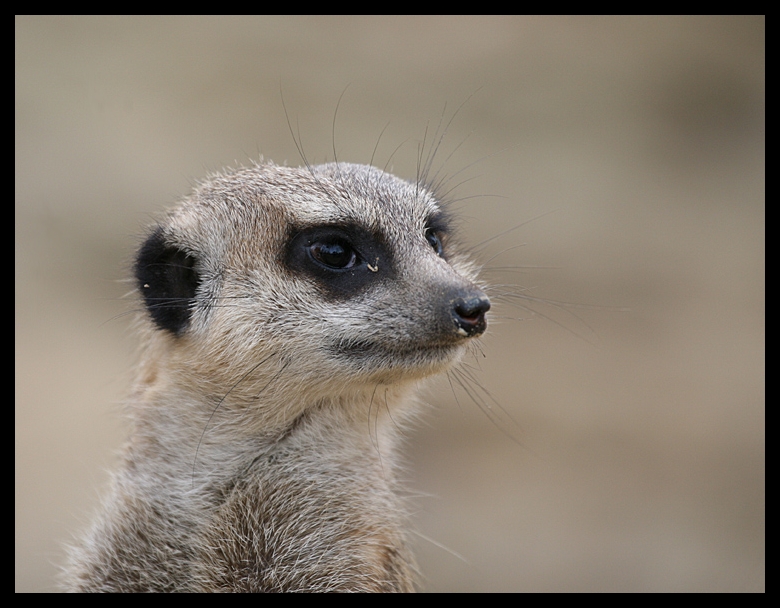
<point x="167" y="279"/>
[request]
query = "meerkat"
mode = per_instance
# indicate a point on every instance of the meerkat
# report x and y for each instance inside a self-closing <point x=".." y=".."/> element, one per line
<point x="289" y="315"/>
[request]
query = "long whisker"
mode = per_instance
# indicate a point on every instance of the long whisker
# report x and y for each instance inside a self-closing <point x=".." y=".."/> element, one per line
<point x="203" y="434"/>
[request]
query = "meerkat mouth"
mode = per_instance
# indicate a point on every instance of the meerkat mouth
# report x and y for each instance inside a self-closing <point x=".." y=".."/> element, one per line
<point x="398" y="354"/>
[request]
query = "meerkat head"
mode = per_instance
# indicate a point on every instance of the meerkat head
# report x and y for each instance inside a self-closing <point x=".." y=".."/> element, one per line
<point x="337" y="273"/>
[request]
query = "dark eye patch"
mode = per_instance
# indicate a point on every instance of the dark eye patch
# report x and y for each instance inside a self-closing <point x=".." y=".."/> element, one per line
<point x="437" y="233"/>
<point x="343" y="259"/>
<point x="434" y="240"/>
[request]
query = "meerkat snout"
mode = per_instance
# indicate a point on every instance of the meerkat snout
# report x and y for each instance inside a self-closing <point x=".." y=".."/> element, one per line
<point x="468" y="311"/>
<point x="289" y="314"/>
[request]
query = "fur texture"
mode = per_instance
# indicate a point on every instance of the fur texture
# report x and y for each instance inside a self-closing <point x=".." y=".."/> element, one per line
<point x="290" y="313"/>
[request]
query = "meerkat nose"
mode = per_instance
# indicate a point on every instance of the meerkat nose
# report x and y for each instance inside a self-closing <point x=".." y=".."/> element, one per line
<point x="469" y="313"/>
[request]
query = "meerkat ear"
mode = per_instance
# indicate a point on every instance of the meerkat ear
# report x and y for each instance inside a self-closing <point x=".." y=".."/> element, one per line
<point x="167" y="280"/>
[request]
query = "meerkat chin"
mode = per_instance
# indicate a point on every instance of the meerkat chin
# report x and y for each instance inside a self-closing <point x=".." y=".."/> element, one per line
<point x="289" y="314"/>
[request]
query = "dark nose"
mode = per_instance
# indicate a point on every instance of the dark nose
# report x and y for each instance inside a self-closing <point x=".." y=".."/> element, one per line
<point x="469" y="314"/>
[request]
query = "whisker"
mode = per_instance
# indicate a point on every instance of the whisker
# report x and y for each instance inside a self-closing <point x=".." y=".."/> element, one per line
<point x="203" y="434"/>
<point x="511" y="299"/>
<point x="374" y="440"/>
<point x="333" y="126"/>
<point x="481" y="245"/>
<point x="462" y="381"/>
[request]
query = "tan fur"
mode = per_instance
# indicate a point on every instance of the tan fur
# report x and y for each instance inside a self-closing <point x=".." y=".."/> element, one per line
<point x="259" y="460"/>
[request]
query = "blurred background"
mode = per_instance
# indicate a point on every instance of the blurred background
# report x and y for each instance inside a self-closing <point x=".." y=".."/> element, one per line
<point x="628" y="450"/>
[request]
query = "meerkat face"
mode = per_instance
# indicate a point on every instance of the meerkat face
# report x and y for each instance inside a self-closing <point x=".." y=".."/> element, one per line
<point x="339" y="271"/>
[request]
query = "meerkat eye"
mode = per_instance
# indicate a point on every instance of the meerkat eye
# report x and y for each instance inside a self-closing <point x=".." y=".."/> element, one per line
<point x="334" y="254"/>
<point x="435" y="242"/>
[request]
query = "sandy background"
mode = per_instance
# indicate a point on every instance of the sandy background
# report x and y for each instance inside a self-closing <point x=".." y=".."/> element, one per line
<point x="640" y="461"/>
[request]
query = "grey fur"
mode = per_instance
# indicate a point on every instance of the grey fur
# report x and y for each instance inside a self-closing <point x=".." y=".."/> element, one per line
<point x="263" y="452"/>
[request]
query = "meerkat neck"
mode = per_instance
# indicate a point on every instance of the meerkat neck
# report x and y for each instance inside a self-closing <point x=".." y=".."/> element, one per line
<point x="328" y="478"/>
<point x="181" y="432"/>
